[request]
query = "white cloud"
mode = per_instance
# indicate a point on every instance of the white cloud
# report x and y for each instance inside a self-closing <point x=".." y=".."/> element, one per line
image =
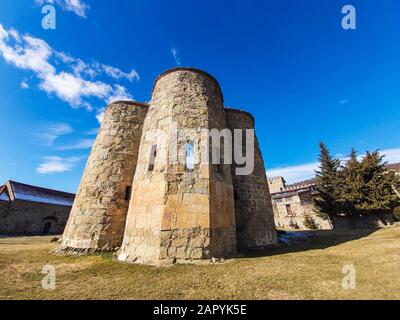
<point x="174" y="53"/>
<point x="100" y="115"/>
<point x="75" y="83"/>
<point x="55" y="130"/>
<point x="54" y="164"/>
<point x="80" y="145"/>
<point x="297" y="173"/>
<point x="92" y="132"/>
<point x="344" y="101"/>
<point x="72" y="89"/>
<point x="294" y="174"/>
<point x="119" y="93"/>
<point x="117" y="74"/>
<point x="24" y="85"/>
<point x="79" y="7"/>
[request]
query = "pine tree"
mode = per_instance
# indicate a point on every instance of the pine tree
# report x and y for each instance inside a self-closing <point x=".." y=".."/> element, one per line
<point x="351" y="183"/>
<point x="378" y="194"/>
<point x="328" y="183"/>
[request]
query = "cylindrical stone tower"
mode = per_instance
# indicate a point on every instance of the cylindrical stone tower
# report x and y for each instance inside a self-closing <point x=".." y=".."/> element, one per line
<point x="182" y="207"/>
<point x="255" y="225"/>
<point x="98" y="216"/>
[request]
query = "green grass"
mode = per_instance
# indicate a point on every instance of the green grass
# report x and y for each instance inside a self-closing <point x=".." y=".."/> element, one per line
<point x="308" y="269"/>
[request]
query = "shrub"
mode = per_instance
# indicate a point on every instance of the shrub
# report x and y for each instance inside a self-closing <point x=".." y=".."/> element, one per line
<point x="293" y="224"/>
<point x="309" y="223"/>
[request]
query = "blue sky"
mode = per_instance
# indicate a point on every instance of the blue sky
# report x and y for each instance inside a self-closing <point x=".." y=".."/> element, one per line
<point x="288" y="62"/>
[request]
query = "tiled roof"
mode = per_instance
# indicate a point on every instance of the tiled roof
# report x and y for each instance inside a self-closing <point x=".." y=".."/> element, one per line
<point x="309" y="182"/>
<point x="394" y="166"/>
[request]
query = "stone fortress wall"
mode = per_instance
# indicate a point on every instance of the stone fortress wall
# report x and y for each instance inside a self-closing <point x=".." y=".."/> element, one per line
<point x="176" y="211"/>
<point x="24" y="218"/>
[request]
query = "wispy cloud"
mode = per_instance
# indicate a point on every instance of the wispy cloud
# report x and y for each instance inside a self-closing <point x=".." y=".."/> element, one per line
<point x="80" y="145"/>
<point x="344" y="101"/>
<point x="24" y="85"/>
<point x="76" y="83"/>
<point x="79" y="7"/>
<point x="306" y="171"/>
<point x="294" y="174"/>
<point x="48" y="136"/>
<point x="92" y="132"/>
<point x="175" y="54"/>
<point x="54" y="164"/>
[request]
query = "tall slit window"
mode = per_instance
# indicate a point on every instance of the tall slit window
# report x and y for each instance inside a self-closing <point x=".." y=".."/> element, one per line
<point x="128" y="193"/>
<point x="153" y="155"/>
<point x="189" y="159"/>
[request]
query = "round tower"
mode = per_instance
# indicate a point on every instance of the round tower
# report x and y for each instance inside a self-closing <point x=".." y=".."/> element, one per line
<point x="182" y="205"/>
<point x="255" y="225"/>
<point x="98" y="216"/>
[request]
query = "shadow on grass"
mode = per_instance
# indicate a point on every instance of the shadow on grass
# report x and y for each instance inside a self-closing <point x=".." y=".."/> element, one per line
<point x="309" y="240"/>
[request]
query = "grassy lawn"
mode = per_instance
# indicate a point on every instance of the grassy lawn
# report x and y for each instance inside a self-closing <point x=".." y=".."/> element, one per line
<point x="308" y="268"/>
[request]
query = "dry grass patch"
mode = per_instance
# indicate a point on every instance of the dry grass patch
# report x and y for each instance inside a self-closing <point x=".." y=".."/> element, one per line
<point x="310" y="268"/>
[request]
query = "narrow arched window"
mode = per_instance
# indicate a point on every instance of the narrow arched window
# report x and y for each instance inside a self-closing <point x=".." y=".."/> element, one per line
<point x="189" y="159"/>
<point x="128" y="192"/>
<point x="153" y="155"/>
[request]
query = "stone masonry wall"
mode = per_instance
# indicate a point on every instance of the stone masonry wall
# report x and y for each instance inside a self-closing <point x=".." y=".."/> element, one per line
<point x="98" y="216"/>
<point x="254" y="216"/>
<point x="177" y="213"/>
<point x="300" y="206"/>
<point x="30" y="218"/>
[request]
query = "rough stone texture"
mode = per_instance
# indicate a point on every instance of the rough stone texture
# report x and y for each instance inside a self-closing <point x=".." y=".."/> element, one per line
<point x="276" y="184"/>
<point x="175" y="213"/>
<point x="30" y="218"/>
<point x="254" y="216"/>
<point x="290" y="212"/>
<point x="292" y="206"/>
<point x="98" y="216"/>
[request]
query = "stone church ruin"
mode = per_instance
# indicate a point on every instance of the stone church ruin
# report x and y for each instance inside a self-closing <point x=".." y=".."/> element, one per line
<point x="135" y="200"/>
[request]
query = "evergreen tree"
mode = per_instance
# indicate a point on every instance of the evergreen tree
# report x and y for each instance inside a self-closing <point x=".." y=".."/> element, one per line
<point x="378" y="194"/>
<point x="328" y="183"/>
<point x="351" y="185"/>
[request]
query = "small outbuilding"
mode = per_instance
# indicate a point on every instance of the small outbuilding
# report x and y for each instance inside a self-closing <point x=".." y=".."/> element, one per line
<point x="31" y="210"/>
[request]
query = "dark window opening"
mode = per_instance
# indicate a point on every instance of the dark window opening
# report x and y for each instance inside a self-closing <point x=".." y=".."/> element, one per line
<point x="128" y="193"/>
<point x="289" y="210"/>
<point x="235" y="195"/>
<point x="46" y="228"/>
<point x="153" y="155"/>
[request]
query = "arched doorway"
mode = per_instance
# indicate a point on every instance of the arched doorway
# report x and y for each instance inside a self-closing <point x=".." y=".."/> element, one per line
<point x="46" y="228"/>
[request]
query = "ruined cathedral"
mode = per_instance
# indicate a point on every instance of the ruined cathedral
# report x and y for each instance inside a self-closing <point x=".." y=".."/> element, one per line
<point x="134" y="200"/>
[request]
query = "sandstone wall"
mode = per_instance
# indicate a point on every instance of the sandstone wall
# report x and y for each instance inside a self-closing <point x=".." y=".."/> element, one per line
<point x="98" y="216"/>
<point x="177" y="213"/>
<point x="30" y="218"/>
<point x="301" y="207"/>
<point x="254" y="216"/>
<point x="276" y="184"/>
